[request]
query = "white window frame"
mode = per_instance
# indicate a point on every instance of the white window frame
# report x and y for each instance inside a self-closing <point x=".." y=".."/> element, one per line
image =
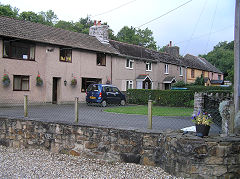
<point x="166" y="69"/>
<point x="129" y="64"/>
<point x="129" y="84"/>
<point x="180" y="71"/>
<point x="148" y="66"/>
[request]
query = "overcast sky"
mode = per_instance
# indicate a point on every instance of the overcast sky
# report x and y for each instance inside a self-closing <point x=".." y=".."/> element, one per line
<point x="195" y="27"/>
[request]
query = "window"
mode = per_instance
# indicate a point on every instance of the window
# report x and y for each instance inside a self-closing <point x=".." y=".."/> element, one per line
<point x="129" y="64"/>
<point x="87" y="81"/>
<point x="20" y="83"/>
<point x="166" y="69"/>
<point x="101" y="59"/>
<point x="66" y="55"/>
<point x="148" y="66"/>
<point x="18" y="49"/>
<point x="129" y="84"/>
<point x="180" y="71"/>
<point x="192" y="73"/>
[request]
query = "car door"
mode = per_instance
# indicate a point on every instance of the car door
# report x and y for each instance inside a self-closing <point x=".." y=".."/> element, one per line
<point x="116" y="95"/>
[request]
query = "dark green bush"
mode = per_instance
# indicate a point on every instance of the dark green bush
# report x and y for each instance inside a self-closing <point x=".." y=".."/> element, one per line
<point x="161" y="97"/>
<point x="178" y="98"/>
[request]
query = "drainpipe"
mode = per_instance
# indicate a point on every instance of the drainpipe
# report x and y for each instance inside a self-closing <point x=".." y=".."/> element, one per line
<point x="111" y="69"/>
<point x="186" y="75"/>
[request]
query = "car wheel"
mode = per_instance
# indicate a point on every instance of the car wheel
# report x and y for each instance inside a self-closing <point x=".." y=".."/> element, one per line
<point x="104" y="103"/>
<point x="123" y="102"/>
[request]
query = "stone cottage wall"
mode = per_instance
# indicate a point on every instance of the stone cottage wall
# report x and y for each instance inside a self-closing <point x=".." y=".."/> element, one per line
<point x="180" y="155"/>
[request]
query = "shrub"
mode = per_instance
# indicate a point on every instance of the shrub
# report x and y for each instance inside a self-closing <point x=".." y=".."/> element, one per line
<point x="176" y="98"/>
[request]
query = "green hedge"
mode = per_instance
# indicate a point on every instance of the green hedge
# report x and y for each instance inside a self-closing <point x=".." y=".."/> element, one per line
<point x="178" y="98"/>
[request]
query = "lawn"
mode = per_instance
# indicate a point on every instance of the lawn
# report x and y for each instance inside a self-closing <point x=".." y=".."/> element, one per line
<point x="157" y="110"/>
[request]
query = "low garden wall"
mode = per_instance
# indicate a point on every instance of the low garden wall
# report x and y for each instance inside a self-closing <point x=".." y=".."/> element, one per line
<point x="179" y="154"/>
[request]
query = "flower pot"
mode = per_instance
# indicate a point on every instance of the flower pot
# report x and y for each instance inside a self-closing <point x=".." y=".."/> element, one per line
<point x="202" y="129"/>
<point x="6" y="83"/>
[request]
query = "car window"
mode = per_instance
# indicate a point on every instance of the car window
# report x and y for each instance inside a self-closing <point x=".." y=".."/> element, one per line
<point x="92" y="88"/>
<point x="115" y="89"/>
<point x="108" y="89"/>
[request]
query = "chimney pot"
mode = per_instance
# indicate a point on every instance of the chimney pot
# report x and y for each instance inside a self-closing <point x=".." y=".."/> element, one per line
<point x="99" y="23"/>
<point x="95" y="22"/>
<point x="170" y="44"/>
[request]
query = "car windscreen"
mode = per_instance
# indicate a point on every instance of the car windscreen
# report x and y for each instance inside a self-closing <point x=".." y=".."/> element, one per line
<point x="92" y="88"/>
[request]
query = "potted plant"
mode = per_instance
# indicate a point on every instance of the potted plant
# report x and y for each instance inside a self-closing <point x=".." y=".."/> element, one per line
<point x="39" y="81"/>
<point x="203" y="122"/>
<point x="74" y="82"/>
<point x="6" y="80"/>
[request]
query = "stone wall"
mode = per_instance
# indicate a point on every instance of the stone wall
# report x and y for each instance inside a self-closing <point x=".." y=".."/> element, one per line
<point x="181" y="155"/>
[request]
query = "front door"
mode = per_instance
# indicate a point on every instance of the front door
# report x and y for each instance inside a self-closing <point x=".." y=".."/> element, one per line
<point x="55" y="90"/>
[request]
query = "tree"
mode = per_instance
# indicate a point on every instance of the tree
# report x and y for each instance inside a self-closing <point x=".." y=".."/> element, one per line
<point x="31" y="16"/>
<point x="7" y="10"/>
<point x="222" y="56"/>
<point x="50" y="17"/>
<point x="137" y="37"/>
<point x="65" y="25"/>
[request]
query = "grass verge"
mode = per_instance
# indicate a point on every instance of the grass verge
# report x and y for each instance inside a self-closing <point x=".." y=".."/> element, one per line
<point x="157" y="110"/>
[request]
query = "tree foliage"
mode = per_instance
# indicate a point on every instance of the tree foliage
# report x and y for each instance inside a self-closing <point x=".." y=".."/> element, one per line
<point x="7" y="10"/>
<point x="222" y="56"/>
<point x="137" y="37"/>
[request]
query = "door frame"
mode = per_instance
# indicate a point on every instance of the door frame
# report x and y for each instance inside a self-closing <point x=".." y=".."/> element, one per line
<point x="55" y="89"/>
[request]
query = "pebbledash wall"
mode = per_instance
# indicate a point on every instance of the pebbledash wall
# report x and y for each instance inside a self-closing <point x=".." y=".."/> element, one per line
<point x="181" y="155"/>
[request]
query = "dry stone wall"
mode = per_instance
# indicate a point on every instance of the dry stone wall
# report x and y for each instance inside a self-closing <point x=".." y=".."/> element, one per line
<point x="179" y="154"/>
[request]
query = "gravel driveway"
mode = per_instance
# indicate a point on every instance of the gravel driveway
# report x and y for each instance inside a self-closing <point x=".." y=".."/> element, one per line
<point x="36" y="163"/>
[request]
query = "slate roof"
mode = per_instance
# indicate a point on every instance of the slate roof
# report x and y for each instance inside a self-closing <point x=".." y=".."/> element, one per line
<point x="169" y="79"/>
<point x="138" y="52"/>
<point x="26" y="30"/>
<point x="199" y="63"/>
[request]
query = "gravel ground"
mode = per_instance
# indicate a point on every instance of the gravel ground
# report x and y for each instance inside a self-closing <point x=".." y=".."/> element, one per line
<point x="36" y="163"/>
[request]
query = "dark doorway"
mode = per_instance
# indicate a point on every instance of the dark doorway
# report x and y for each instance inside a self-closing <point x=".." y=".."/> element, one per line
<point x="147" y="84"/>
<point x="55" y="90"/>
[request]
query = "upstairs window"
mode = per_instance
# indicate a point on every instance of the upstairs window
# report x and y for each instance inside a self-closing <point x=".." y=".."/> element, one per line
<point x="148" y="66"/>
<point x="166" y="69"/>
<point x="192" y="73"/>
<point x="66" y="55"/>
<point x="129" y="64"/>
<point x="18" y="49"/>
<point x="101" y="59"/>
<point x="20" y="83"/>
<point x="180" y="71"/>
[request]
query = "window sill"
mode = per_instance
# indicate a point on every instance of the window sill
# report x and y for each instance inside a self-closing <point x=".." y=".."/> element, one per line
<point x="148" y="70"/>
<point x="181" y="75"/>
<point x="32" y="60"/>
<point x="166" y="73"/>
<point x="129" y="68"/>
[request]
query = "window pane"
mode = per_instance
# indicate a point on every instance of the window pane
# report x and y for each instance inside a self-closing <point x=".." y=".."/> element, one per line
<point x="6" y="48"/>
<point x="17" y="83"/>
<point x="131" y="64"/>
<point x="25" y="83"/>
<point x="127" y="64"/>
<point x="32" y="52"/>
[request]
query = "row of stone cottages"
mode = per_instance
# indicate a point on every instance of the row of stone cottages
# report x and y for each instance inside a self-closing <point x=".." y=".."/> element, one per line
<point x="54" y="65"/>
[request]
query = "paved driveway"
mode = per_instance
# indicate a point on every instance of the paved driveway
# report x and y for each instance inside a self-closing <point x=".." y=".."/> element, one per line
<point x="95" y="116"/>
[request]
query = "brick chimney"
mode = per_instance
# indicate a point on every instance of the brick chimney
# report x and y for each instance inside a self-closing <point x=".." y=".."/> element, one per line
<point x="172" y="50"/>
<point x="99" y="31"/>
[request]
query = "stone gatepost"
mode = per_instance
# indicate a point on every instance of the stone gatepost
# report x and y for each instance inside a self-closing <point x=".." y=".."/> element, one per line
<point x="198" y="102"/>
<point x="226" y="110"/>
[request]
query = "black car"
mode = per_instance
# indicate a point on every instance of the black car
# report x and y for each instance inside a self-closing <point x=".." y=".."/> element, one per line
<point x="104" y="94"/>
